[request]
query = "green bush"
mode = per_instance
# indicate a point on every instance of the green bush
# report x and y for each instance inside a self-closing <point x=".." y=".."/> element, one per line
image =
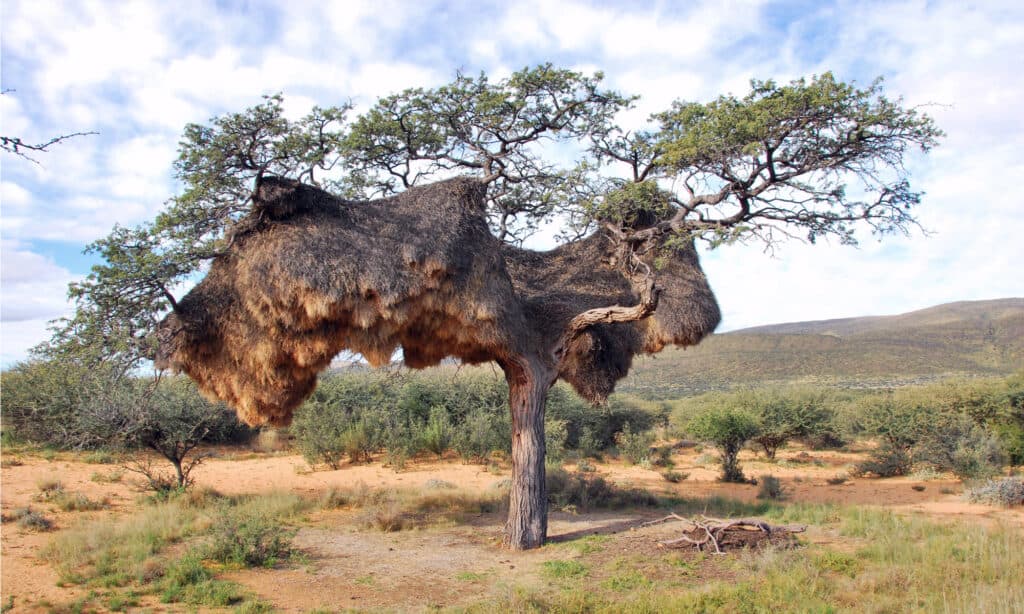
<point x="963" y="447"/>
<point x="437" y="435"/>
<point x="582" y="492"/>
<point x="728" y="428"/>
<point x="635" y="447"/>
<point x="480" y="433"/>
<point x="248" y="538"/>
<point x="885" y="461"/>
<point x="789" y="413"/>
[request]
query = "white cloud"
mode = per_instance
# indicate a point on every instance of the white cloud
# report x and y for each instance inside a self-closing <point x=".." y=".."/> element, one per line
<point x="31" y="286"/>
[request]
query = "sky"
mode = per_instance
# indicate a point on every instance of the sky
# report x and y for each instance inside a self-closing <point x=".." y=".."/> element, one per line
<point x="137" y="72"/>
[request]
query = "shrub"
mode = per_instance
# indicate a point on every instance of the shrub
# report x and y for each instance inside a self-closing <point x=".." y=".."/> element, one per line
<point x="580" y="492"/>
<point x="770" y="488"/>
<point x="555" y="434"/>
<point x="1006" y="492"/>
<point x="435" y="484"/>
<point x="356" y="442"/>
<point x="32" y="520"/>
<point x="885" y="462"/>
<point x="248" y="538"/>
<point x="385" y="515"/>
<point x="728" y="429"/>
<point x="663" y="457"/>
<point x="788" y="413"/>
<point x="479" y="433"/>
<point x="675" y="476"/>
<point x="635" y="447"/>
<point x="437" y="434"/>
<point x="959" y="445"/>
<point x="77" y="502"/>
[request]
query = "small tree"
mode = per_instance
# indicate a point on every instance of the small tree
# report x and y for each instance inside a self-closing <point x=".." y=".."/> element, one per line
<point x="899" y="422"/>
<point x="788" y="413"/>
<point x="727" y="428"/>
<point x="172" y="420"/>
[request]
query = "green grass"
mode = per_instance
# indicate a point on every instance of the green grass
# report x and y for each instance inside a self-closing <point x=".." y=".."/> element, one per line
<point x="885" y="563"/>
<point x="470" y="576"/>
<point x="559" y="570"/>
<point x="589" y="544"/>
<point x="123" y="557"/>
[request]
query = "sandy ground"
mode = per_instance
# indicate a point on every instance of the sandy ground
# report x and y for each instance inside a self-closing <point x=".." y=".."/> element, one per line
<point x="348" y="567"/>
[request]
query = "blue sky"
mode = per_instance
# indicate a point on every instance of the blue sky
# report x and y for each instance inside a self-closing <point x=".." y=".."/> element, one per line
<point x="137" y="72"/>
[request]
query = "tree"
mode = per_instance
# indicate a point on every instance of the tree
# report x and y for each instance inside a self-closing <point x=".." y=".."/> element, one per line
<point x="788" y="413"/>
<point x="171" y="419"/>
<point x="728" y="428"/>
<point x="298" y="275"/>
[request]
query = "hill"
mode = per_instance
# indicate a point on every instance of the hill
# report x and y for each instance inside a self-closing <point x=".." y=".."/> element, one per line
<point x="963" y="338"/>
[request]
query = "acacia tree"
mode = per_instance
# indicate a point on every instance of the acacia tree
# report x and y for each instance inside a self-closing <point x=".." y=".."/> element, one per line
<point x="810" y="159"/>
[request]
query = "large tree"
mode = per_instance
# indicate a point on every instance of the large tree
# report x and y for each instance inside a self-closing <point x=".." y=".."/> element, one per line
<point x="298" y="275"/>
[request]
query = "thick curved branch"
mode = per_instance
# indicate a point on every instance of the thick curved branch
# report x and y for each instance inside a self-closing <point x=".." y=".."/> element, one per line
<point x="609" y="315"/>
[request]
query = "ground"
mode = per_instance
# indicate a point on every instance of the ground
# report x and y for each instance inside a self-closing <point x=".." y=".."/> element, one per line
<point x="344" y="565"/>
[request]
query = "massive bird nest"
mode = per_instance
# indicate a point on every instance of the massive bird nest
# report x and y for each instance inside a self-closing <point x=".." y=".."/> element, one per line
<point x="308" y="275"/>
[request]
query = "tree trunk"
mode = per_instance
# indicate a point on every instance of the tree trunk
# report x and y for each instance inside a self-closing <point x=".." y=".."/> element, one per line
<point x="528" y="383"/>
<point x="178" y="471"/>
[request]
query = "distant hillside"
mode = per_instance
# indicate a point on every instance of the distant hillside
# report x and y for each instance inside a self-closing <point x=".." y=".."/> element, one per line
<point x="965" y="338"/>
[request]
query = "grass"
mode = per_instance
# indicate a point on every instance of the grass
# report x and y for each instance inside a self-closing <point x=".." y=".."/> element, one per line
<point x="111" y="477"/>
<point x="560" y="570"/>
<point x="897" y="564"/>
<point x="136" y="555"/>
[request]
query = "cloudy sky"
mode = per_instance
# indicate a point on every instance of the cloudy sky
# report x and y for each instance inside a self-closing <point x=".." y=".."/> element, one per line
<point x="136" y="72"/>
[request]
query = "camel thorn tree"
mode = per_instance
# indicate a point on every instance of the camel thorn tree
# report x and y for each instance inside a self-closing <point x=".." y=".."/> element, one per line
<point x="402" y="229"/>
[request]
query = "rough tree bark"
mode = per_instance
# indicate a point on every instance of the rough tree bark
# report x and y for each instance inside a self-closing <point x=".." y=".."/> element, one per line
<point x="529" y="380"/>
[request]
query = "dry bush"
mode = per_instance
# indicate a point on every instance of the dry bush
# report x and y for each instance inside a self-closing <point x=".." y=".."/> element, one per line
<point x="1006" y="492"/>
<point x="29" y="519"/>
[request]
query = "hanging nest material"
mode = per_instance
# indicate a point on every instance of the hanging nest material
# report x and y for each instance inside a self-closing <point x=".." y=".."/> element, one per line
<point x="717" y="535"/>
<point x="307" y="275"/>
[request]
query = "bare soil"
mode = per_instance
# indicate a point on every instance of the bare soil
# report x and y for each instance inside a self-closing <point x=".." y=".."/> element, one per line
<point x="346" y="566"/>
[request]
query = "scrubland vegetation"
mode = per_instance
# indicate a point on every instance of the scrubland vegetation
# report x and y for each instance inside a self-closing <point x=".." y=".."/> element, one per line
<point x="186" y="546"/>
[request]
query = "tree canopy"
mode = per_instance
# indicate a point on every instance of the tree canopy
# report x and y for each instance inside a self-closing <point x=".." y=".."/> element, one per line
<point x="811" y="159"/>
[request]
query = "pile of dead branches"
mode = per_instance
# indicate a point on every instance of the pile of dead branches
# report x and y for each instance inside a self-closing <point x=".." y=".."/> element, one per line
<point x="717" y="535"/>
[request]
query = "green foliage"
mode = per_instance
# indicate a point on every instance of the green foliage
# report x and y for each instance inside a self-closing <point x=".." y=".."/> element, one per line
<point x="806" y="138"/>
<point x="728" y="428"/>
<point x="790" y="413"/>
<point x="404" y="414"/>
<point x="900" y="422"/>
<point x="580" y="492"/>
<point x="635" y="447"/>
<point x="70" y="404"/>
<point x="47" y="402"/>
<point x="249" y="538"/>
<point x="958" y="426"/>
<point x="436" y="435"/>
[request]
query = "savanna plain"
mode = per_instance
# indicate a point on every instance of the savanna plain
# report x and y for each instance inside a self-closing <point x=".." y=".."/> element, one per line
<point x="266" y="526"/>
